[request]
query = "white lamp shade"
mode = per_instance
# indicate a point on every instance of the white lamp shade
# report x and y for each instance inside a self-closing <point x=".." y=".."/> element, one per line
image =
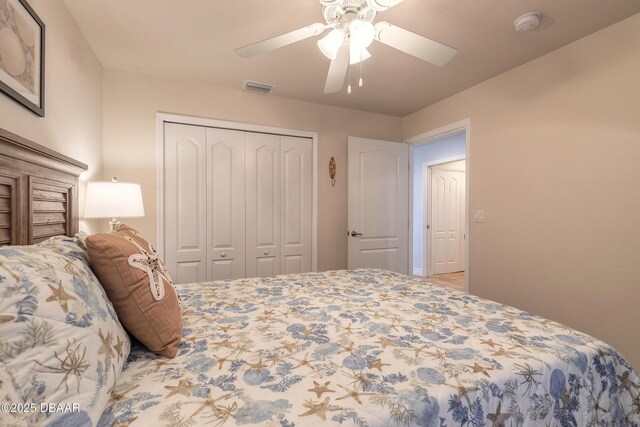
<point x="330" y="44"/>
<point x="361" y="35"/>
<point x="107" y="199"/>
<point x="358" y="56"/>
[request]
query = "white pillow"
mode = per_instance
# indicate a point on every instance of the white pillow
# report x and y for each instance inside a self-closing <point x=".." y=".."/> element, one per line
<point x="60" y="339"/>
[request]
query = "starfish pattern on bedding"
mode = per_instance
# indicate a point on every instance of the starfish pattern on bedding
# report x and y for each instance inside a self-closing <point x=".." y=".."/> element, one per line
<point x="499" y="419"/>
<point x="118" y="346"/>
<point x="354" y="394"/>
<point x="377" y="364"/>
<point x="477" y="368"/>
<point x="183" y="387"/>
<point x="106" y="347"/>
<point x="320" y="409"/>
<point x="385" y="342"/>
<point x="320" y="389"/>
<point x="61" y="296"/>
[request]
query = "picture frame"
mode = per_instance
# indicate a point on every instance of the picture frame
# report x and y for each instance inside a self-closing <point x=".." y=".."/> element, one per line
<point x="22" y="42"/>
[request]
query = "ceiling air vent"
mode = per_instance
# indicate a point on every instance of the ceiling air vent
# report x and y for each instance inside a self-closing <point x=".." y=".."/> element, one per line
<point x="258" y="87"/>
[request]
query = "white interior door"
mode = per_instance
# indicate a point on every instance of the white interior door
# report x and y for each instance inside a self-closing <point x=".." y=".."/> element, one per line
<point x="185" y="196"/>
<point x="447" y="220"/>
<point x="263" y="205"/>
<point x="225" y="204"/>
<point x="296" y="160"/>
<point x="378" y="204"/>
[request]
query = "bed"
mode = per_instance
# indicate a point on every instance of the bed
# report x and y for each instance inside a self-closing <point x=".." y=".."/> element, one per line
<point x="370" y="347"/>
<point x="352" y="348"/>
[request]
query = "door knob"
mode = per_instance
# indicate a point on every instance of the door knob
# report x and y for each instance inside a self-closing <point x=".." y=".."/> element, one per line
<point x="354" y="234"/>
<point x="266" y="252"/>
<point x="223" y="254"/>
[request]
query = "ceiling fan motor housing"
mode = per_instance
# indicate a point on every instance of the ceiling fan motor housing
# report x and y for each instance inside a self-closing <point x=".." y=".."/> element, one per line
<point x="340" y="13"/>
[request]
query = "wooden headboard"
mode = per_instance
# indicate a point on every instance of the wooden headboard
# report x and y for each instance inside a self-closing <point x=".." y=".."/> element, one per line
<point x="38" y="191"/>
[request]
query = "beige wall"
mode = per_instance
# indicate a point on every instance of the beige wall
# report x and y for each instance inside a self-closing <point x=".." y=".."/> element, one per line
<point x="460" y="165"/>
<point x="132" y="100"/>
<point x="555" y="163"/>
<point x="73" y="96"/>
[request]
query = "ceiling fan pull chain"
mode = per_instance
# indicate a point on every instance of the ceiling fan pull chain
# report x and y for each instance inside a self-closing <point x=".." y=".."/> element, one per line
<point x="349" y="78"/>
<point x="361" y="82"/>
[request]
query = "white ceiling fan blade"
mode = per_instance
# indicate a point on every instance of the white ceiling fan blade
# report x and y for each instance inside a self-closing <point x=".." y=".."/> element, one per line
<point x="414" y="44"/>
<point x="280" y="41"/>
<point x="382" y="5"/>
<point x="338" y="70"/>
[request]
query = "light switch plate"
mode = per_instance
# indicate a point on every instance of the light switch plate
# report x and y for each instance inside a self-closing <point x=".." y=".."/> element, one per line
<point x="478" y="215"/>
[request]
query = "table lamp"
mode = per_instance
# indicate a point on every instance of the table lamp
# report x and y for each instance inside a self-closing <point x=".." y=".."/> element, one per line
<point x="113" y="199"/>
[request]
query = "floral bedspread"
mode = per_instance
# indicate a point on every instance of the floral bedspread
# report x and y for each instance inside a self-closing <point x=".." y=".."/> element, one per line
<point x="370" y="348"/>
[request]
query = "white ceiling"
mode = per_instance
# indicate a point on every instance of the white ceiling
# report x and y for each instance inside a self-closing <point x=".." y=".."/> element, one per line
<point x="194" y="40"/>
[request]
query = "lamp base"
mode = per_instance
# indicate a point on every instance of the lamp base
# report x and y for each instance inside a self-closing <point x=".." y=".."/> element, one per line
<point x="114" y="225"/>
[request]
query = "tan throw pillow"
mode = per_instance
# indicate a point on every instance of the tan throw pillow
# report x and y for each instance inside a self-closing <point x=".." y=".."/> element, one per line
<point x="139" y="288"/>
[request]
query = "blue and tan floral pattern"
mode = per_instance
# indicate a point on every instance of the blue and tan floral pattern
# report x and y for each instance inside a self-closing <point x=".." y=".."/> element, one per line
<point x="60" y="339"/>
<point x="370" y="348"/>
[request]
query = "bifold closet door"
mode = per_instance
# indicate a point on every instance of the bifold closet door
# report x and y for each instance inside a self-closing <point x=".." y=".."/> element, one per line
<point x="263" y="205"/>
<point x="185" y="175"/>
<point x="237" y="204"/>
<point x="204" y="203"/>
<point x="297" y="190"/>
<point x="225" y="204"/>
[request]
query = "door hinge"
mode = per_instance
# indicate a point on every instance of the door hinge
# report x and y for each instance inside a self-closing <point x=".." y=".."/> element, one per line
<point x="428" y="227"/>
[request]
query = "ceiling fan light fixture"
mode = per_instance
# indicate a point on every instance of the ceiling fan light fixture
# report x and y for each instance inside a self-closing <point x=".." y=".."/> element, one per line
<point x="330" y="2"/>
<point x="357" y="56"/>
<point x="361" y="35"/>
<point x="330" y="44"/>
<point x="382" y="5"/>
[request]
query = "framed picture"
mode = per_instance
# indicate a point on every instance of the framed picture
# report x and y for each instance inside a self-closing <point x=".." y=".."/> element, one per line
<point x="22" y="54"/>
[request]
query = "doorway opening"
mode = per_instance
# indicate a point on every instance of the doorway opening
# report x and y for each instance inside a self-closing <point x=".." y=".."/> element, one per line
<point x="440" y="207"/>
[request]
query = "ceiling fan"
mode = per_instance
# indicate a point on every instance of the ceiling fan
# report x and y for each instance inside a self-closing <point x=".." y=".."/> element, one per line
<point x="352" y="31"/>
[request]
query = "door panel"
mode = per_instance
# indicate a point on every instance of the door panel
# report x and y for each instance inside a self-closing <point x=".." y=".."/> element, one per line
<point x="187" y="180"/>
<point x="297" y="191"/>
<point x="439" y="223"/>
<point x="378" y="189"/>
<point x="187" y="272"/>
<point x="378" y="204"/>
<point x="185" y="195"/>
<point x="380" y="258"/>
<point x="447" y="205"/>
<point x="293" y="264"/>
<point x="263" y="205"/>
<point x="225" y="204"/>
<point x="223" y="269"/>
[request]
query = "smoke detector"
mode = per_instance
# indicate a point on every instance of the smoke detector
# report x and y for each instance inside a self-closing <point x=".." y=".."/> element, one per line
<point x="527" y="22"/>
<point x="257" y="87"/>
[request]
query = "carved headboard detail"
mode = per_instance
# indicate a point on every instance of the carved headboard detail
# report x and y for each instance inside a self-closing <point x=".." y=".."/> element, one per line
<point x="38" y="191"/>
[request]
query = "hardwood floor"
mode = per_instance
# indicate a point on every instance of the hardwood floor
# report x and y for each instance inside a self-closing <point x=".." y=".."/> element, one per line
<point x="452" y="280"/>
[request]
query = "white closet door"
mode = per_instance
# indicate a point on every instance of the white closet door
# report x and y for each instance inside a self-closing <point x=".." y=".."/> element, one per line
<point x="263" y="205"/>
<point x="225" y="204"/>
<point x="297" y="190"/>
<point x="185" y="197"/>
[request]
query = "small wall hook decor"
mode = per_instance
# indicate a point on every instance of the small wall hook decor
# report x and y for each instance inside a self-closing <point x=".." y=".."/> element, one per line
<point x="332" y="171"/>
